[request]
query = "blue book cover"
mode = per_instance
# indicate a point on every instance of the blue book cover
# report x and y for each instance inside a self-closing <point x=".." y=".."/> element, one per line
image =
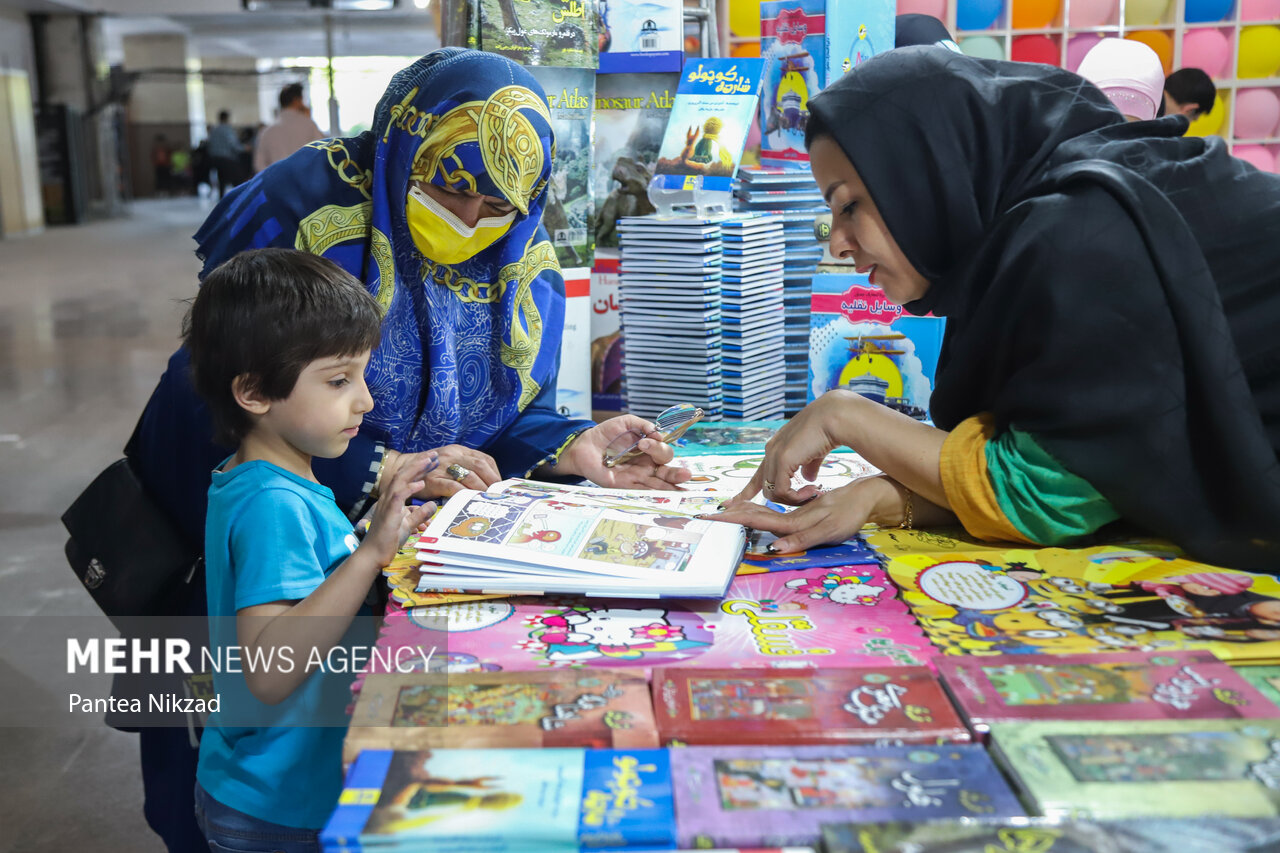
<point x="856" y="31"/>
<point x="640" y="35"/>
<point x="505" y="800"/>
<point x="753" y="796"/>
<point x="709" y="122"/>
<point x="860" y="340"/>
<point x="793" y="43"/>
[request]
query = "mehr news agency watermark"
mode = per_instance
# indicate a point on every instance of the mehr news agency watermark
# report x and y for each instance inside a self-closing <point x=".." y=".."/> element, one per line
<point x="176" y="657"/>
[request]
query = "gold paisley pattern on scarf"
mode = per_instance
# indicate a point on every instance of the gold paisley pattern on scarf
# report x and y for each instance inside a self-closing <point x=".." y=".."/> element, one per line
<point x="332" y="224"/>
<point x="509" y="145"/>
<point x="526" y="339"/>
<point x="384" y="257"/>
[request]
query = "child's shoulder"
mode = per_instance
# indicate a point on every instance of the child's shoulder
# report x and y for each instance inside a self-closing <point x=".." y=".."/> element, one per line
<point x="261" y="484"/>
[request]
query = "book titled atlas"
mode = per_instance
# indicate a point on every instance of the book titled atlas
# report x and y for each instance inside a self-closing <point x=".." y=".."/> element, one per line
<point x="432" y="710"/>
<point x="903" y="704"/>
<point x="1045" y="835"/>
<point x="1144" y="768"/>
<point x="537" y="541"/>
<point x="504" y="801"/>
<point x="709" y="122"/>
<point x="750" y="796"/>
<point x="570" y="204"/>
<point x="537" y="32"/>
<point x="1116" y="686"/>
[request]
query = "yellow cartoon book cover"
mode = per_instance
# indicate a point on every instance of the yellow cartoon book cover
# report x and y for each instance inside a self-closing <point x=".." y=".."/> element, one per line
<point x="973" y="598"/>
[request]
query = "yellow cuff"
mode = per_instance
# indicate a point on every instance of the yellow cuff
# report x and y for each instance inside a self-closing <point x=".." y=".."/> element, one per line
<point x="967" y="486"/>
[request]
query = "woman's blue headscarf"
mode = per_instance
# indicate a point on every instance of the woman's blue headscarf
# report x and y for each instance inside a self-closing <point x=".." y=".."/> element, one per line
<point x="465" y="347"/>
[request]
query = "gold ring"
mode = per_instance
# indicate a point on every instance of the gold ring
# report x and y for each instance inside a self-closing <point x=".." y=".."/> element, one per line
<point x="457" y="472"/>
<point x="768" y="485"/>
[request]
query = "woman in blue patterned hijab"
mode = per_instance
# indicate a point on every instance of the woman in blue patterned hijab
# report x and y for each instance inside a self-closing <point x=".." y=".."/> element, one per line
<point x="438" y="209"/>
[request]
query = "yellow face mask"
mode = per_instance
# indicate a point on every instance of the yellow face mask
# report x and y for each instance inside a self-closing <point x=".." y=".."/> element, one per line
<point x="445" y="239"/>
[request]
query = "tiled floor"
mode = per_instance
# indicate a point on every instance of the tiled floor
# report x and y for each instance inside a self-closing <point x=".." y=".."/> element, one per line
<point x="88" y="317"/>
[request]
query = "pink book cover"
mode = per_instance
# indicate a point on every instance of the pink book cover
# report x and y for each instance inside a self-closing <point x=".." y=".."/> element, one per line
<point x="813" y="618"/>
<point x="1112" y="686"/>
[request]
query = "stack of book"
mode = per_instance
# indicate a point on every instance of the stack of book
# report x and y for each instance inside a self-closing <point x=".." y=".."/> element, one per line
<point x="752" y="317"/>
<point x="791" y="194"/>
<point x="670" y="288"/>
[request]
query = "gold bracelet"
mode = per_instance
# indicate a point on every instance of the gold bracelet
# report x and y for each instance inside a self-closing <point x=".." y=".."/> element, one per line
<point x="907" y="519"/>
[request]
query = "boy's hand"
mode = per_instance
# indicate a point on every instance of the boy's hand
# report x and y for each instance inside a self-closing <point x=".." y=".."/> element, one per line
<point x="392" y="521"/>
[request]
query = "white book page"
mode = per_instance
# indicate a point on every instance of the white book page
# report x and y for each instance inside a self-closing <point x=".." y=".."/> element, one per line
<point x="563" y="535"/>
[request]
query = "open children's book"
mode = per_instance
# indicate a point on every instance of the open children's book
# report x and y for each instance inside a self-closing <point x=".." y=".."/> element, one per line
<point x="527" y="537"/>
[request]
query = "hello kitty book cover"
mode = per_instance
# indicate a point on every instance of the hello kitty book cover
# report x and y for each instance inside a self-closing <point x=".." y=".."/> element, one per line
<point x="798" y="619"/>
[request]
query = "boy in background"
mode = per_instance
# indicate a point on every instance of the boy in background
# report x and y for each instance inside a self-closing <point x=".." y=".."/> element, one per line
<point x="279" y="341"/>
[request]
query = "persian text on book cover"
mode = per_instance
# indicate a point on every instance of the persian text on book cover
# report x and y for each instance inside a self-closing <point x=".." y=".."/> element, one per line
<point x="540" y="32"/>
<point x="791" y="619"/>
<point x="804" y="706"/>
<point x="1139" y="598"/>
<point x="709" y="122"/>
<point x="418" y="710"/>
<point x="1115" y="686"/>
<point x="861" y="341"/>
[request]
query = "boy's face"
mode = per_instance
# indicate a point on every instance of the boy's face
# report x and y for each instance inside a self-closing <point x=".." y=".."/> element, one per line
<point x="324" y="411"/>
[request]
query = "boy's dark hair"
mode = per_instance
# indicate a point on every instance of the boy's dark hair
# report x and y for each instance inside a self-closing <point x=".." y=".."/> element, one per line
<point x="266" y="314"/>
<point x="1192" y="86"/>
<point x="289" y="94"/>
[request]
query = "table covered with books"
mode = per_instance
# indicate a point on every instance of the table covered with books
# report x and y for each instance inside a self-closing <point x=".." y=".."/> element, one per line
<point x="907" y="690"/>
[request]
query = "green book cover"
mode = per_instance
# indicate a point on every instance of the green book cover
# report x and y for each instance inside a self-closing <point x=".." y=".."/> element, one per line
<point x="1135" y="768"/>
<point x="1265" y="678"/>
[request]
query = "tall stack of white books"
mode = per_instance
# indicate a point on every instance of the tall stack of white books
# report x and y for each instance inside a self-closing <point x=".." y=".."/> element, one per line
<point x="751" y="311"/>
<point x="670" y="294"/>
<point x="792" y="194"/>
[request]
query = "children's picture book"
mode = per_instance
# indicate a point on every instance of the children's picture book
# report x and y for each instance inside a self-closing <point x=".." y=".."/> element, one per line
<point x="1116" y="686"/>
<point x="1144" y="768"/>
<point x="766" y="620"/>
<point x="730" y="474"/>
<point x="540" y="32"/>
<point x="826" y="705"/>
<point x="861" y="341"/>
<point x="570" y="205"/>
<point x="709" y="122"/>
<point x="641" y="35"/>
<point x="1128" y="596"/>
<point x="545" y="541"/>
<point x="855" y="552"/>
<point x="857" y="30"/>
<point x="631" y="118"/>
<point x="1045" y="835"/>
<point x="793" y="43"/>
<point x="754" y="795"/>
<point x="504" y="800"/>
<point x="431" y="710"/>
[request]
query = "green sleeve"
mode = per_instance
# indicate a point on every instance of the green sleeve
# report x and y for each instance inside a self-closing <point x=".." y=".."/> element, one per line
<point x="1046" y="502"/>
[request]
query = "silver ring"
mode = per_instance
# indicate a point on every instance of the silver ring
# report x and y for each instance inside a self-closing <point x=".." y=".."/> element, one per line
<point x="457" y="472"/>
<point x="768" y="485"/>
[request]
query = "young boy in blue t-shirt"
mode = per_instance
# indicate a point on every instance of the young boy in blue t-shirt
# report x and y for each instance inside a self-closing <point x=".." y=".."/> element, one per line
<point x="279" y="341"/>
